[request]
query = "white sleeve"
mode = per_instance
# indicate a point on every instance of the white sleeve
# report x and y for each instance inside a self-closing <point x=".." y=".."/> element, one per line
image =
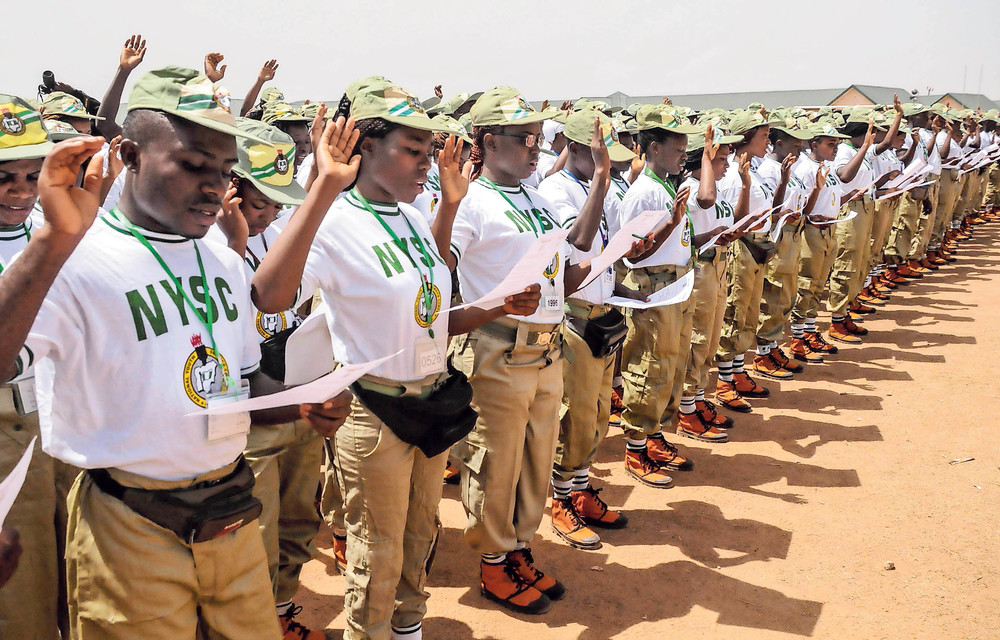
<point x="466" y="228"/>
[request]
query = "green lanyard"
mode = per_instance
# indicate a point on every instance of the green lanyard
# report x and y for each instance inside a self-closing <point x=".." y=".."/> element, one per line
<point x="531" y="214"/>
<point x="27" y="235"/>
<point x="204" y="318"/>
<point x="672" y="192"/>
<point x="426" y="283"/>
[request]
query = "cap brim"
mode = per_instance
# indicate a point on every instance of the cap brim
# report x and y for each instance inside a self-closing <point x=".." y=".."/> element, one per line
<point x="537" y="116"/>
<point x="208" y="123"/>
<point x="293" y="193"/>
<point x="416" y="122"/>
<point x="620" y="153"/>
<point x="798" y="134"/>
<point x="26" y="152"/>
<point x="56" y="116"/>
<point x="686" y="129"/>
<point x="733" y="139"/>
<point x="838" y="135"/>
<point x="60" y="136"/>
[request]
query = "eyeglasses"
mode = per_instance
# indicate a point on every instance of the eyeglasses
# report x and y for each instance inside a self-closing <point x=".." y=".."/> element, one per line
<point x="527" y="139"/>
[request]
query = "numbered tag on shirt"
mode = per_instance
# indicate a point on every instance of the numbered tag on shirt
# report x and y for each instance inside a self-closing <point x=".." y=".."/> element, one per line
<point x="609" y="278"/>
<point x="428" y="357"/>
<point x="551" y="304"/>
<point x="229" y="424"/>
<point x="25" y="401"/>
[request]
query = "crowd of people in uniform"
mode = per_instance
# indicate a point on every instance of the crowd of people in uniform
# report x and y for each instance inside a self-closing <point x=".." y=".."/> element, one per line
<point x="162" y="266"/>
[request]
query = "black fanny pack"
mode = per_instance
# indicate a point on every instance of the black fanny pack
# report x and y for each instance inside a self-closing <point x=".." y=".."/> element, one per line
<point x="603" y="335"/>
<point x="760" y="250"/>
<point x="198" y="513"/>
<point x="272" y="354"/>
<point x="433" y="423"/>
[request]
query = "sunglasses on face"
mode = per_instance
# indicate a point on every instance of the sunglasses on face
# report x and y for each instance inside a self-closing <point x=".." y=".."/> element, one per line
<point x="527" y="139"/>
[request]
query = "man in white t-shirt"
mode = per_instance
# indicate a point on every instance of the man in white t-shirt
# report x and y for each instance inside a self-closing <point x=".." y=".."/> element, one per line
<point x="579" y="193"/>
<point x="164" y="318"/>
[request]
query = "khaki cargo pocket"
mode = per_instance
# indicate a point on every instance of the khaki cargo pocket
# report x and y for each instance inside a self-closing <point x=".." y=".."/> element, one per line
<point x="473" y="483"/>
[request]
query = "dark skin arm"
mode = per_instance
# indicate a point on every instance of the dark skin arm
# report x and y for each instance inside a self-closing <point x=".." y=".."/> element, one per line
<point x="821" y="175"/>
<point x="454" y="185"/>
<point x="786" y="172"/>
<point x="588" y="221"/>
<point x="907" y="155"/>
<point x="265" y="74"/>
<point x="660" y="234"/>
<point x="706" y="185"/>
<point x="850" y="170"/>
<point x="886" y="143"/>
<point x="131" y="55"/>
<point x="325" y="417"/>
<point x="743" y="205"/>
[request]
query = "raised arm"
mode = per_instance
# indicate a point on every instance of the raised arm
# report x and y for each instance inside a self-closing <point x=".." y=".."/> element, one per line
<point x="266" y="74"/>
<point x="132" y="54"/>
<point x="588" y="222"/>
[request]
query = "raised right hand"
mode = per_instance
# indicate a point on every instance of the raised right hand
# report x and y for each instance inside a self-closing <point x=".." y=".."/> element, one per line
<point x="69" y="209"/>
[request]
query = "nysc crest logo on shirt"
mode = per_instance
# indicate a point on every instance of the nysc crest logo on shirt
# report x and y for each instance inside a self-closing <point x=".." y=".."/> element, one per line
<point x="11" y="124"/>
<point x="269" y="324"/>
<point x="686" y="235"/>
<point x="425" y="317"/>
<point x="204" y="372"/>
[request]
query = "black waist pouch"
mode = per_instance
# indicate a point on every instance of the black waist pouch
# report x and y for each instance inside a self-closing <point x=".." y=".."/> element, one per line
<point x="431" y="424"/>
<point x="272" y="354"/>
<point x="197" y="513"/>
<point x="760" y="250"/>
<point x="603" y="335"/>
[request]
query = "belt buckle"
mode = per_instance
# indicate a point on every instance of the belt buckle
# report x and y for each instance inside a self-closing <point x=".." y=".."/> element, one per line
<point x="544" y="339"/>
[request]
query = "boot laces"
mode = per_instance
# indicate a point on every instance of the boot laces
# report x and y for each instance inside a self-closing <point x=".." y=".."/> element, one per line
<point x="293" y="625"/>
<point x="529" y="562"/>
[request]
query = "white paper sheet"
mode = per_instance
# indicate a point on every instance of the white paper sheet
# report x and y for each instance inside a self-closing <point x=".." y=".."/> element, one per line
<point x="907" y="175"/>
<point x="317" y="391"/>
<point x="309" y="350"/>
<point x="621" y="242"/>
<point x="851" y="214"/>
<point x="909" y="187"/>
<point x="779" y="225"/>
<point x="11" y="485"/>
<point x="527" y="270"/>
<point x="671" y="294"/>
<point x="746" y="222"/>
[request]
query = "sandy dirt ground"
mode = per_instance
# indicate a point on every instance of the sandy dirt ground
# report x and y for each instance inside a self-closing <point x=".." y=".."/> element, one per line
<point x="786" y="530"/>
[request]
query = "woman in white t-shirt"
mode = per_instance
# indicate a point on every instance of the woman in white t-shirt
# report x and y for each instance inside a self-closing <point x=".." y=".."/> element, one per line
<point x="388" y="289"/>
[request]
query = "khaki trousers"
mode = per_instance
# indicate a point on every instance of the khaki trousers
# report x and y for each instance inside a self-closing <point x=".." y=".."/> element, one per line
<point x="285" y="460"/>
<point x="33" y="602"/>
<point x="853" y="247"/>
<point x="129" y="578"/>
<point x="904" y="227"/>
<point x="951" y="190"/>
<point x="586" y="405"/>
<point x="815" y="263"/>
<point x="743" y="294"/>
<point x="655" y="355"/>
<point x="970" y="195"/>
<point x="885" y="213"/>
<point x="709" y="301"/>
<point x="925" y="226"/>
<point x="993" y="188"/>
<point x="391" y="493"/>
<point x="331" y="502"/>
<point x="780" y="280"/>
<point x="507" y="458"/>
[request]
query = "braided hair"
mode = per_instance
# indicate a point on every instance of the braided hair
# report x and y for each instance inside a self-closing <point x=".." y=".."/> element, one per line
<point x="478" y="156"/>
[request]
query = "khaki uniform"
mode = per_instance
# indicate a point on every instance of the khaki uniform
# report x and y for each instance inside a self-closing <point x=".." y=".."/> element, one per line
<point x="970" y="195"/>
<point x="951" y="190"/>
<point x="391" y="493"/>
<point x="33" y="602"/>
<point x="885" y="213"/>
<point x="816" y="261"/>
<point x="743" y="294"/>
<point x="904" y="227"/>
<point x="850" y="267"/>
<point x="925" y="225"/>
<point x="507" y="458"/>
<point x="331" y="502"/>
<point x="780" y="280"/>
<point x="655" y="354"/>
<point x="285" y="460"/>
<point x="129" y="578"/>
<point x="586" y="400"/>
<point x="709" y="301"/>
<point x="993" y="189"/>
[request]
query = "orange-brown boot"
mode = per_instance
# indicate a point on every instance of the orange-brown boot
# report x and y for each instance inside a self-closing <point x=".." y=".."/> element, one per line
<point x="690" y="426"/>
<point x="801" y="351"/>
<point x="727" y="395"/>
<point x="524" y="564"/>
<point x="666" y="454"/>
<point x="908" y="272"/>
<point x="640" y="466"/>
<point x="785" y="362"/>
<point x="927" y="264"/>
<point x="340" y="553"/>
<point x="595" y="511"/>
<point x="452" y="473"/>
<point x="569" y="526"/>
<point x="817" y="344"/>
<point x="769" y="368"/>
<point x="838" y="331"/>
<point x="706" y="409"/>
<point x="294" y="630"/>
<point x="501" y="583"/>
<point x="747" y="387"/>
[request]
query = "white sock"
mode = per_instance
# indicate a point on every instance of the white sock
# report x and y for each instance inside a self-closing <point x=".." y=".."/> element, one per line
<point x="413" y="632"/>
<point x="738" y="364"/>
<point x="687" y="404"/>
<point x="581" y="479"/>
<point x="283" y="607"/>
<point x="561" y="488"/>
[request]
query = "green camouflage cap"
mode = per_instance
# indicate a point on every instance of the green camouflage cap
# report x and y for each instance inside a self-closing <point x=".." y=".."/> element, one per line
<point x="827" y="128"/>
<point x="632" y="109"/>
<point x="991" y="115"/>
<point x="580" y="129"/>
<point x="310" y="110"/>
<point x="454" y="125"/>
<point x="187" y="94"/>
<point x="22" y="135"/>
<point x="860" y="114"/>
<point x="720" y="136"/>
<point x="742" y="121"/>
<point x="466" y="121"/>
<point x="267" y="160"/>
<point x="457" y="100"/>
<point x="432" y="105"/>
<point x="396" y="105"/>
<point x="281" y="111"/>
<point x="270" y="94"/>
<point x="914" y="108"/>
<point x="59" y="104"/>
<point x="586" y="103"/>
<point x="59" y="130"/>
<point x="505" y="106"/>
<point x="363" y="83"/>
<point x="789" y="124"/>
<point x="664" y="116"/>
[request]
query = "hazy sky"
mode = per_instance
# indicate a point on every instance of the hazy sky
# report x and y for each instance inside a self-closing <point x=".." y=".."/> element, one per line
<point x="546" y="49"/>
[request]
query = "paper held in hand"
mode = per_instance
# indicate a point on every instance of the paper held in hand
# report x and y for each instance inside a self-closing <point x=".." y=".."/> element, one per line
<point x="526" y="272"/>
<point x="917" y="168"/>
<point x="622" y="241"/>
<point x="671" y="294"/>
<point x="745" y="223"/>
<point x="851" y="214"/>
<point x="317" y="391"/>
<point x="780" y="224"/>
<point x="11" y="485"/>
